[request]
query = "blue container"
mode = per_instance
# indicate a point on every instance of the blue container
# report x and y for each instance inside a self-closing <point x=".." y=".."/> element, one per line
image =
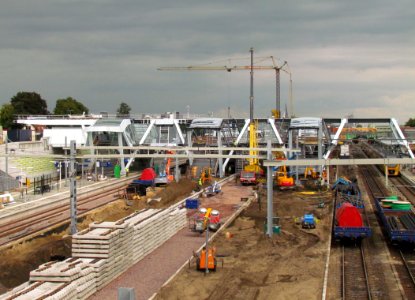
<point x="192" y="203"/>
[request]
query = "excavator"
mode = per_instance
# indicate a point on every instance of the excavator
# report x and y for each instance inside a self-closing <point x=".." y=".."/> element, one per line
<point x="284" y="181"/>
<point x="312" y="178"/>
<point x="206" y="175"/>
<point x="164" y="177"/>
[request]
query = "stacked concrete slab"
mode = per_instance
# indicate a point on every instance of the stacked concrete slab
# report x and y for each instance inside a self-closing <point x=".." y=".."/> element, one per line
<point x="100" y="254"/>
<point x="108" y="240"/>
<point x="34" y="290"/>
<point x="70" y="279"/>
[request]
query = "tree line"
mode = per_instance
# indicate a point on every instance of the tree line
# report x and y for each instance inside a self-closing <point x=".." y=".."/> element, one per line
<point x="31" y="103"/>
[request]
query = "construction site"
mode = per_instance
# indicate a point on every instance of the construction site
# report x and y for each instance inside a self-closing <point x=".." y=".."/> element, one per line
<point x="209" y="208"/>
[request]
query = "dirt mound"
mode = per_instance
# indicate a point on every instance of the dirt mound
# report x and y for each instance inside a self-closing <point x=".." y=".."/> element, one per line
<point x="173" y="192"/>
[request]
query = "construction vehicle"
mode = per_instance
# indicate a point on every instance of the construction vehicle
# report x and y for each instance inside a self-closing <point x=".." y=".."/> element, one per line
<point x="308" y="222"/>
<point x="247" y="178"/>
<point x="206" y="175"/>
<point x="205" y="218"/>
<point x="252" y="173"/>
<point x="212" y="190"/>
<point x="211" y="261"/>
<point x="284" y="181"/>
<point x="164" y="177"/>
<point x="310" y="172"/>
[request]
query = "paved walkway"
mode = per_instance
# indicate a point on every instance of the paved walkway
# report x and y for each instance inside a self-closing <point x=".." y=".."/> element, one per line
<point x="149" y="274"/>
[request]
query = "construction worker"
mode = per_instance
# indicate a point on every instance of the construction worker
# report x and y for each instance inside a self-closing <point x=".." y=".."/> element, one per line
<point x="320" y="182"/>
<point x="200" y="182"/>
<point x="127" y="171"/>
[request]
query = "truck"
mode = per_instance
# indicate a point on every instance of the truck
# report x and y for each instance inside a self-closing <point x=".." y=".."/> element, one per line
<point x="248" y="177"/>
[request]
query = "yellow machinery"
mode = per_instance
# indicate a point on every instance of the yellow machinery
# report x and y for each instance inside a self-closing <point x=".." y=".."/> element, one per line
<point x="199" y="222"/>
<point x="206" y="175"/>
<point x="275" y="113"/>
<point x="253" y="165"/>
<point x="283" y="180"/>
<point x="310" y="172"/>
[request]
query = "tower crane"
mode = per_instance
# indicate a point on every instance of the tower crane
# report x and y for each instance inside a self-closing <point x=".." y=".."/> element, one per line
<point x="253" y="162"/>
<point x="252" y="67"/>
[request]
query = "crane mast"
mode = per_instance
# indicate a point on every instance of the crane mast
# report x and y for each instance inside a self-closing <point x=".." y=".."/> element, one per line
<point x="252" y="126"/>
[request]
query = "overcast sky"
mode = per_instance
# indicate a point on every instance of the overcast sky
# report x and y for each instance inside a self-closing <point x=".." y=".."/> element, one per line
<point x="345" y="57"/>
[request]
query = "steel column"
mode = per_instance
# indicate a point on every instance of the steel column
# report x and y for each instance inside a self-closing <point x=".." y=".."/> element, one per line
<point x="73" y="188"/>
<point x="270" y="206"/>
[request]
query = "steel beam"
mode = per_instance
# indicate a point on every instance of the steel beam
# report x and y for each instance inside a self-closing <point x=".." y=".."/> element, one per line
<point x="340" y="162"/>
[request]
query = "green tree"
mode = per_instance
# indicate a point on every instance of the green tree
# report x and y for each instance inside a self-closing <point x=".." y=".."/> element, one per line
<point x="69" y="106"/>
<point x="29" y="103"/>
<point x="124" y="109"/>
<point x="7" y="116"/>
<point x="410" y="122"/>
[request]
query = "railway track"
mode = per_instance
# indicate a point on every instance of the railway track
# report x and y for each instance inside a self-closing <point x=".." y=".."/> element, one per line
<point x="407" y="271"/>
<point x="405" y="264"/>
<point x="355" y="281"/>
<point x="404" y="188"/>
<point x="50" y="216"/>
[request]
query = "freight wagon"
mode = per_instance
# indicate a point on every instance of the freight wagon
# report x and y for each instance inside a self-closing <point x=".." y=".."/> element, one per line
<point x="350" y="220"/>
<point x="398" y="219"/>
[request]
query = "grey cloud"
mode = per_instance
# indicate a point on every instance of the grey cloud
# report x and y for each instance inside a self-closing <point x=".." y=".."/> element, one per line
<point x="105" y="52"/>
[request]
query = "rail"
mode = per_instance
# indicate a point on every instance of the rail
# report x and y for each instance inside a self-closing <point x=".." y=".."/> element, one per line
<point x="355" y="280"/>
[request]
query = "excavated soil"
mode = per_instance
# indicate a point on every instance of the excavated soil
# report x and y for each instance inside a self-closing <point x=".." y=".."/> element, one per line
<point x="289" y="266"/>
<point x="18" y="260"/>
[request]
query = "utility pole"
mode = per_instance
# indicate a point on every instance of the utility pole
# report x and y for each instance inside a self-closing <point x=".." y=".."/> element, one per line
<point x="207" y="247"/>
<point x="270" y="205"/>
<point x="73" y="188"/>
